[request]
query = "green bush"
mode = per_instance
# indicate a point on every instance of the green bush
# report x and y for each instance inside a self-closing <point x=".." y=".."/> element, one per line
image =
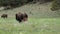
<point x="55" y="5"/>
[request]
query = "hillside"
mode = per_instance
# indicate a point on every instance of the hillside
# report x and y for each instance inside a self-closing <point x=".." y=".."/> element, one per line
<point x="37" y="10"/>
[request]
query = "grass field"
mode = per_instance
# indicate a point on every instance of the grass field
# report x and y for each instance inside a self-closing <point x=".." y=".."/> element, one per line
<point x="35" y="24"/>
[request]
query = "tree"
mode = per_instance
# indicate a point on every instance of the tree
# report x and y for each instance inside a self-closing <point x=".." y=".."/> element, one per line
<point x="13" y="3"/>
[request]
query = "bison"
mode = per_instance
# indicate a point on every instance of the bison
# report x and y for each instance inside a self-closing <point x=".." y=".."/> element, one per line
<point x="21" y="17"/>
<point x="4" y="16"/>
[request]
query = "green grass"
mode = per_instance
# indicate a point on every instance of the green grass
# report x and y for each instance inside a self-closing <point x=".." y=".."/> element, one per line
<point x="34" y="26"/>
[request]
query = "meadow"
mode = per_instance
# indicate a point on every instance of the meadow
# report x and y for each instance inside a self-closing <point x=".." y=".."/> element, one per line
<point x="33" y="26"/>
<point x="41" y="21"/>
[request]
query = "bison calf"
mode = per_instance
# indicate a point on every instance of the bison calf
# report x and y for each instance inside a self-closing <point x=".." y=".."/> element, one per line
<point x="25" y="17"/>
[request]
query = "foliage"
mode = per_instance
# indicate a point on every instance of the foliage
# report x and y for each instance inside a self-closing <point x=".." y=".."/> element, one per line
<point x="55" y="5"/>
<point x="13" y="3"/>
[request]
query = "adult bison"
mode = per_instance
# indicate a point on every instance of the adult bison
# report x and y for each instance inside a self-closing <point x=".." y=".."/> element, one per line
<point x="4" y="16"/>
<point x="21" y="17"/>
